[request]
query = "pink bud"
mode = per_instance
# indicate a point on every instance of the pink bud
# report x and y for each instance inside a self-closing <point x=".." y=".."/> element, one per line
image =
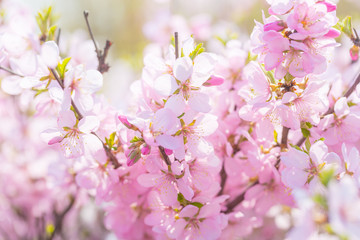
<point x="145" y="150"/>
<point x="354" y="53"/>
<point x="333" y="33"/>
<point x="168" y="151"/>
<point x="214" y="81"/>
<point x="124" y="121"/>
<point x="132" y="155"/>
<point x="329" y="6"/>
<point x="277" y="26"/>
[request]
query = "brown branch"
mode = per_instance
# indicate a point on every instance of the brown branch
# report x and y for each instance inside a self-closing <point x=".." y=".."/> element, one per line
<point x="236" y="201"/>
<point x="59" y="218"/>
<point x="58" y="37"/>
<point x="165" y="156"/>
<point x="79" y="116"/>
<point x="176" y="45"/>
<point x="284" y="138"/>
<point x="10" y="71"/>
<point x="101" y="55"/>
<point x="223" y="177"/>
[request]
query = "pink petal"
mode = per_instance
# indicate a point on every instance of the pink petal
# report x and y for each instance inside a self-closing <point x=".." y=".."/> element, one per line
<point x="199" y="102"/>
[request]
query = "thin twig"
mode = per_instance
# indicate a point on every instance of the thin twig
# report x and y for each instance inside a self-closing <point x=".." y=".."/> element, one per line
<point x="80" y="116"/>
<point x="165" y="156"/>
<point x="109" y="154"/>
<point x="176" y="45"/>
<point x="10" y="71"/>
<point x="59" y="218"/>
<point x="58" y="36"/>
<point x="236" y="201"/>
<point x="284" y="138"/>
<point x="86" y="15"/>
<point x="101" y="55"/>
<point x="331" y="110"/>
<point x="223" y="176"/>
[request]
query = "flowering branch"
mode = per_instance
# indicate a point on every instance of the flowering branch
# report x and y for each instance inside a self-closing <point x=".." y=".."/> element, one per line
<point x="79" y="116"/>
<point x="101" y="55"/>
<point x="331" y="110"/>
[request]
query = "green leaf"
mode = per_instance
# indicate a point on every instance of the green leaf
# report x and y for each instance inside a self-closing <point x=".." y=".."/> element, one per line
<point x="136" y="139"/>
<point x="61" y="68"/>
<point x="181" y="199"/>
<point x="320" y="199"/>
<point x="221" y="40"/>
<point x="309" y="125"/>
<point x="181" y="115"/>
<point x="347" y="27"/>
<point x="326" y="175"/>
<point x="305" y="132"/>
<point x="296" y="147"/>
<point x="197" y="204"/>
<point x="198" y="49"/>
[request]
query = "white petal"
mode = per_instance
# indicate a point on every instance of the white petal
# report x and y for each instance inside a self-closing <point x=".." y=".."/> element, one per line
<point x="89" y="124"/>
<point x="176" y="103"/>
<point x="11" y="85"/>
<point x="165" y="85"/>
<point x="50" y="54"/>
<point x="183" y="68"/>
<point x="92" y="81"/>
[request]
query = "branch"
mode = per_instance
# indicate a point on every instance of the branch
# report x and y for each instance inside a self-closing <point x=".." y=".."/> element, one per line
<point x="101" y="55"/>
<point x="331" y="110"/>
<point x="176" y="45"/>
<point x="10" y="71"/>
<point x="223" y="176"/>
<point x="59" y="218"/>
<point x="231" y="205"/>
<point x="79" y="116"/>
<point x="284" y="138"/>
<point x="165" y="156"/>
<point x="58" y="37"/>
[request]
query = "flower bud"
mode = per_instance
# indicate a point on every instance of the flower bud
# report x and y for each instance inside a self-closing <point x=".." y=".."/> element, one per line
<point x="277" y="26"/>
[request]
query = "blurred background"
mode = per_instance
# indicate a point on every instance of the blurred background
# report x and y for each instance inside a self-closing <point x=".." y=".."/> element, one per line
<point x="132" y="24"/>
<point x="122" y="21"/>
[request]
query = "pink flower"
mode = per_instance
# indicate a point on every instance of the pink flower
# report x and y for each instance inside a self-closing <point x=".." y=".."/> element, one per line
<point x="312" y="21"/>
<point x="168" y="183"/>
<point x="70" y="132"/>
<point x="198" y="223"/>
<point x="342" y="126"/>
<point x="344" y="205"/>
<point x="302" y="168"/>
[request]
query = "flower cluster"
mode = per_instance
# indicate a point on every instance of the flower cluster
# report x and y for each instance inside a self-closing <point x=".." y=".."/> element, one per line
<point x="254" y="140"/>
